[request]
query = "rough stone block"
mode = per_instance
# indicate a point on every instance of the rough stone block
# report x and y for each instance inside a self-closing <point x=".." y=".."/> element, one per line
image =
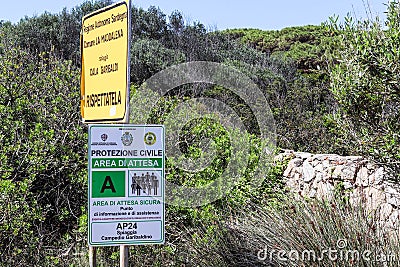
<point x="347" y="185"/>
<point x="348" y="173"/>
<point x="319" y="167"/>
<point x="362" y="177"/>
<point x="353" y="158"/>
<point x="296" y="162"/>
<point x="308" y="172"/>
<point x="319" y="177"/>
<point x="325" y="164"/>
<point x="312" y="193"/>
<point x="337" y="172"/>
<point x="303" y="155"/>
<point x="379" y="175"/>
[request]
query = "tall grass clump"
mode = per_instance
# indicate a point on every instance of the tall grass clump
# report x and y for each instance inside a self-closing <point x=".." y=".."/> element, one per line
<point x="314" y="233"/>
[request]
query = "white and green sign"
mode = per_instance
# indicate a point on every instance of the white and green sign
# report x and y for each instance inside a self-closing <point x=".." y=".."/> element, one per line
<point x="126" y="185"/>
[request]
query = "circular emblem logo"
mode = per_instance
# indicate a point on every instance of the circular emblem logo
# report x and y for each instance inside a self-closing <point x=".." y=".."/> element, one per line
<point x="150" y="138"/>
<point x="104" y="137"/>
<point x="127" y="139"/>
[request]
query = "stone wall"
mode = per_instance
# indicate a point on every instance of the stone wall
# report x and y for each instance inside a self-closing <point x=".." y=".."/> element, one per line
<point x="322" y="175"/>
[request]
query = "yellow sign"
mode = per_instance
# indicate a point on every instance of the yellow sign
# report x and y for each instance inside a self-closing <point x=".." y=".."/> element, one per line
<point x="105" y="64"/>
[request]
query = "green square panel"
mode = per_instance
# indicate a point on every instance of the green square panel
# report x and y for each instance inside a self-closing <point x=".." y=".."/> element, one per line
<point x="108" y="184"/>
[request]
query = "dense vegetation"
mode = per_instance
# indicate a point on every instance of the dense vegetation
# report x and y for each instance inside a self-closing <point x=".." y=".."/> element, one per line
<point x="331" y="88"/>
<point x="304" y="45"/>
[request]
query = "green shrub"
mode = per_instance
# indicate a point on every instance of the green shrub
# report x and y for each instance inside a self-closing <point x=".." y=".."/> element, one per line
<point x="42" y="156"/>
<point x="364" y="80"/>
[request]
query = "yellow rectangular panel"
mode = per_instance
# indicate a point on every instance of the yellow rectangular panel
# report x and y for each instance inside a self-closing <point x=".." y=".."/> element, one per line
<point x="105" y="64"/>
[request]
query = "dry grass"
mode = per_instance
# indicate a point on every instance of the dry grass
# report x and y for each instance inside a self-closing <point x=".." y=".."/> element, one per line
<point x="315" y="234"/>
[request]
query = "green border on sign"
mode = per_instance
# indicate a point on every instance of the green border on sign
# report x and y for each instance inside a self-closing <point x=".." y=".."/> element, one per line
<point x="162" y="188"/>
<point x="130" y="242"/>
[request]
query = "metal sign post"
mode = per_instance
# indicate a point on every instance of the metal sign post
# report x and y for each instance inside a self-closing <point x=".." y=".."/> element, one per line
<point x="123" y="256"/>
<point x="92" y="256"/>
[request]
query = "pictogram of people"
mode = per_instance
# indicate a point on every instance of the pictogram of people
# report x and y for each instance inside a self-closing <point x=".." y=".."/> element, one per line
<point x="149" y="186"/>
<point x="133" y="185"/>
<point x="138" y="188"/>
<point x="154" y="183"/>
<point x="147" y="177"/>
<point x="144" y="184"/>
